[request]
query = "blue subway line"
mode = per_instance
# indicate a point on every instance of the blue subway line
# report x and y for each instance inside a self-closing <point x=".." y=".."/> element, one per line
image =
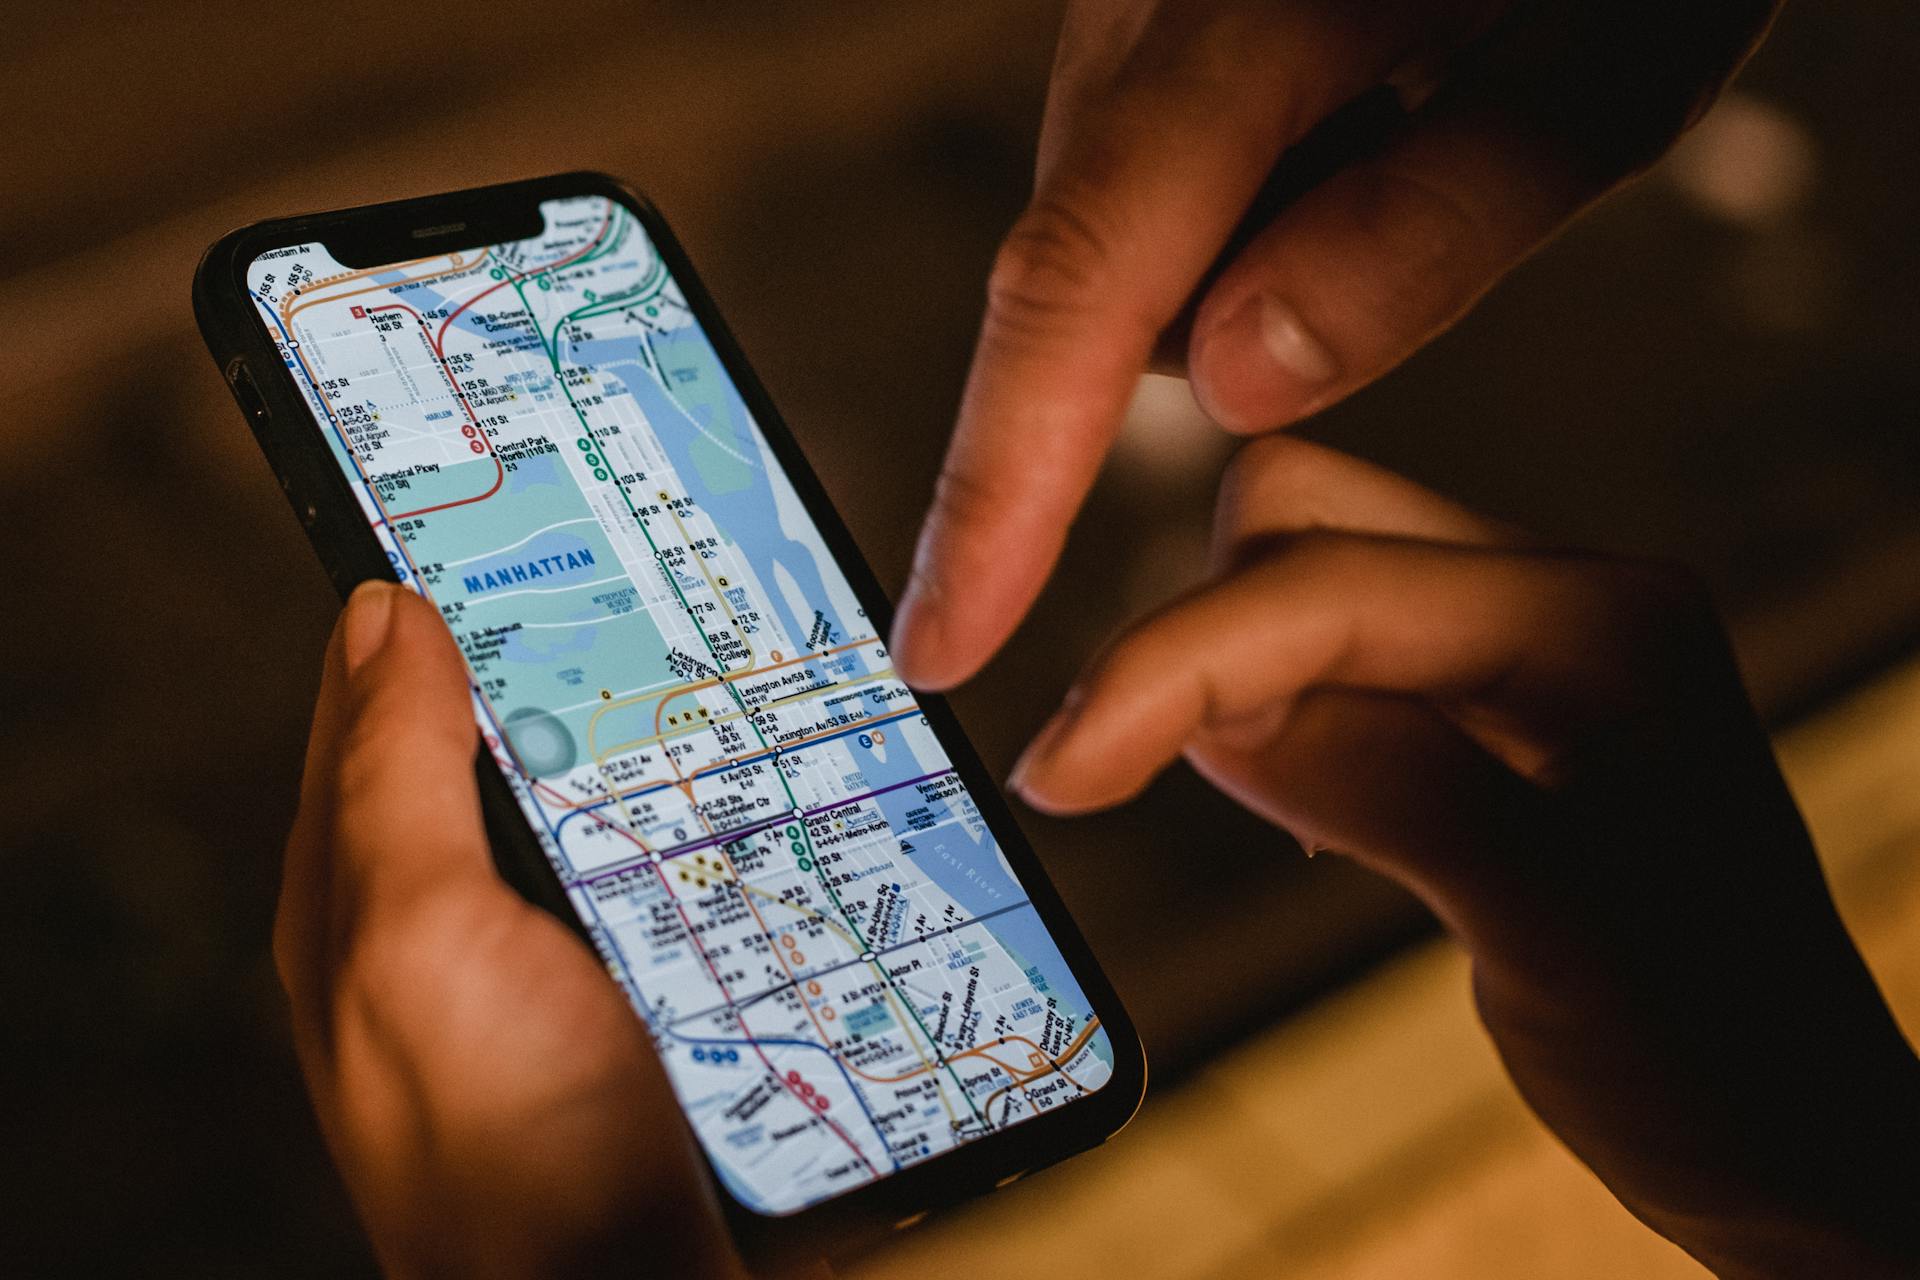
<point x="852" y="1088"/>
<point x="859" y="727"/>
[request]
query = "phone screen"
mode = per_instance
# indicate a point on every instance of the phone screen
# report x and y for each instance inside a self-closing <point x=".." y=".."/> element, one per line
<point x="762" y="833"/>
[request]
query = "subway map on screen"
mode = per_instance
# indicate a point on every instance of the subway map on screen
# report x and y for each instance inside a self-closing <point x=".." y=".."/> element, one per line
<point x="767" y="843"/>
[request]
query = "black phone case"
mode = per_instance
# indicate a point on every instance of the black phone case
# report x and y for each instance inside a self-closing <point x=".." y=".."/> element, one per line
<point x="327" y="508"/>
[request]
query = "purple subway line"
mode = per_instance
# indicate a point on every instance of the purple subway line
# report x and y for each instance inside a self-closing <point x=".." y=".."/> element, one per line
<point x="863" y="725"/>
<point x="751" y="830"/>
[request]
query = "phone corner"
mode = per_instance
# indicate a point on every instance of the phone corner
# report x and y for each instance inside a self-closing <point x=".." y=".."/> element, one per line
<point x="1127" y="1089"/>
<point x="599" y="182"/>
<point x="213" y="288"/>
<point x="1136" y="1092"/>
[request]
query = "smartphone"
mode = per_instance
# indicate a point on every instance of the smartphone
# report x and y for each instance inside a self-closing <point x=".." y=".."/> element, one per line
<point x="520" y="402"/>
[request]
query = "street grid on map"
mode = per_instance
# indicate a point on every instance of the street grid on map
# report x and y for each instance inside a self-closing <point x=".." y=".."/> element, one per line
<point x="771" y="849"/>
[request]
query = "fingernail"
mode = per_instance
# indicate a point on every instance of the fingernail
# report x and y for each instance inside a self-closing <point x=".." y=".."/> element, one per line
<point x="369" y="614"/>
<point x="1291" y="346"/>
<point x="1262" y="366"/>
<point x="1043" y="742"/>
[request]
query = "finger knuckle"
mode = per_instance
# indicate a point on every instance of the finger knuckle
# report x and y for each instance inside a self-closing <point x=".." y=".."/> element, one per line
<point x="388" y="744"/>
<point x="377" y="955"/>
<point x="1442" y="249"/>
<point x="361" y="999"/>
<point x="1315" y="570"/>
<point x="1432" y="224"/>
<point x="402" y="947"/>
<point x="1317" y="554"/>
<point x="1054" y="262"/>
<point x="1125" y="662"/>
<point x="964" y="497"/>
<point x="364" y="761"/>
<point x="1224" y="52"/>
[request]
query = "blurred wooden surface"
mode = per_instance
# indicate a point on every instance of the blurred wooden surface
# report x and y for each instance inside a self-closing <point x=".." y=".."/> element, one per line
<point x="1376" y="1137"/>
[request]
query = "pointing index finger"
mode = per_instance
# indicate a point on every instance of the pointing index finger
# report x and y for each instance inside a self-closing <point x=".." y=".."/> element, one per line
<point x="1144" y="184"/>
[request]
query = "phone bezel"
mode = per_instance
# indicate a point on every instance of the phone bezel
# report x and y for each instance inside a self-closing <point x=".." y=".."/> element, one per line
<point x="327" y="507"/>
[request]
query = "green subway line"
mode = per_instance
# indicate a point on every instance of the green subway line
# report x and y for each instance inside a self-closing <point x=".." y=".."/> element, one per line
<point x="811" y="854"/>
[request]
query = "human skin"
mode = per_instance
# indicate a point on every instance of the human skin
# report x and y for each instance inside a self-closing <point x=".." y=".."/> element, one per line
<point x="1554" y="750"/>
<point x="494" y="1105"/>
<point x="1162" y="123"/>
<point x="1551" y="748"/>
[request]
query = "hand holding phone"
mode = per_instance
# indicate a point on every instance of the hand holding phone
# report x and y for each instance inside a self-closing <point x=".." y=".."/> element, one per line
<point x="1553" y="748"/>
<point x="493" y="1104"/>
<point x="694" y="750"/>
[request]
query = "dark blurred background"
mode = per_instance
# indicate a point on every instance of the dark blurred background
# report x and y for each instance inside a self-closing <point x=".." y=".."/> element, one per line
<point x="1719" y="366"/>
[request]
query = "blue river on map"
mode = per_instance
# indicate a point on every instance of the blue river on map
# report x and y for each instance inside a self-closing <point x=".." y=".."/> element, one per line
<point x="746" y="514"/>
<point x="968" y="870"/>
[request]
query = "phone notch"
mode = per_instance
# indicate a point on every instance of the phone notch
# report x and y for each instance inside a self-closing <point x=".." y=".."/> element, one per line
<point x="441" y="227"/>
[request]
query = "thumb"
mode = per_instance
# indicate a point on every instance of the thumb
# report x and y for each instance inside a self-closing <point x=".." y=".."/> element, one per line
<point x="1365" y="268"/>
<point x="1563" y="104"/>
<point x="398" y="778"/>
